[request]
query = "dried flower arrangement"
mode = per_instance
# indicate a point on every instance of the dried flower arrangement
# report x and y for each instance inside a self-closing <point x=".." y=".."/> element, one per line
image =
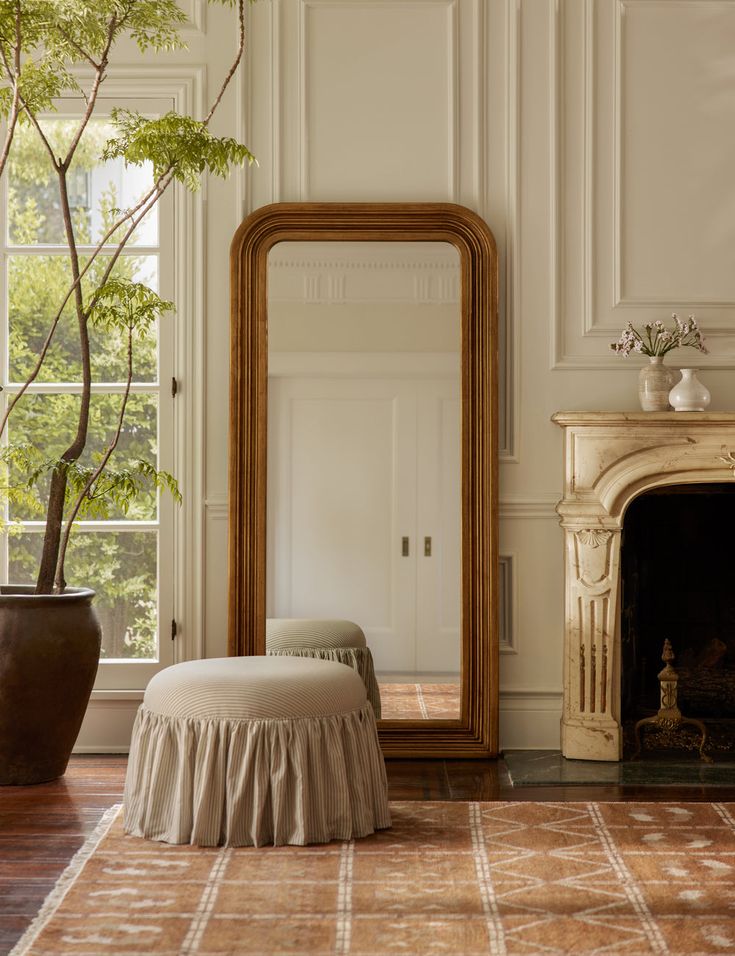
<point x="658" y="340"/>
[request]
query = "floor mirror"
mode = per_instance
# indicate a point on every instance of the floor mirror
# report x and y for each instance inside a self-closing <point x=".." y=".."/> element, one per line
<point x="363" y="451"/>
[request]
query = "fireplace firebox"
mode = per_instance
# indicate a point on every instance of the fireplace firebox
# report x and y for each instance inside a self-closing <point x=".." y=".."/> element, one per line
<point x="677" y="572"/>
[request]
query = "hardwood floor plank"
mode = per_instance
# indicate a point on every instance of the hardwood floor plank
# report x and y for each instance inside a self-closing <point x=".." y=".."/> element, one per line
<point x="19" y="897"/>
<point x="12" y="928"/>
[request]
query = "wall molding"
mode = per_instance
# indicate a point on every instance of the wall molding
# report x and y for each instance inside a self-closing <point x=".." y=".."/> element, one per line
<point x="621" y="299"/>
<point x="507" y="603"/>
<point x="548" y="694"/>
<point x="510" y="303"/>
<point x="108" y="722"/>
<point x="453" y="63"/>
<point x="586" y="317"/>
<point x="530" y="719"/>
<point x="530" y="506"/>
<point x="216" y="508"/>
<point x="196" y="11"/>
<point x="511" y="507"/>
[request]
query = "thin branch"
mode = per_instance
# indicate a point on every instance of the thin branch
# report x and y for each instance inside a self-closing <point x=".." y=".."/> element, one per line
<point x="14" y="79"/>
<point x="36" y="368"/>
<point x="31" y="115"/>
<point x="235" y="64"/>
<point x="55" y="161"/>
<point x="59" y="582"/>
<point x="144" y="207"/>
<point x="96" y="83"/>
<point x="103" y="492"/>
<point x="80" y="50"/>
<point x="160" y="190"/>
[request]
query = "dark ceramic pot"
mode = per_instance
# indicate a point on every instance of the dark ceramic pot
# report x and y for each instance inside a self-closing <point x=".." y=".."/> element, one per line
<point x="49" y="651"/>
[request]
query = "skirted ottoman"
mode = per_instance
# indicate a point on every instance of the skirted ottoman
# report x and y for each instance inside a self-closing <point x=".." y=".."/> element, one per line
<point x="248" y="751"/>
<point x="328" y="640"/>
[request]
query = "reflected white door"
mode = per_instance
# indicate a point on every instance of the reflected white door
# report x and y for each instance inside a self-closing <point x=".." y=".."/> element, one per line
<point x="355" y="466"/>
<point x="439" y="519"/>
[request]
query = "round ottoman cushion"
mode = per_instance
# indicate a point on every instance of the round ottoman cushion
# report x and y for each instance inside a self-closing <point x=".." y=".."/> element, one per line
<point x="327" y="640"/>
<point x="255" y="688"/>
<point x="291" y="632"/>
<point x="249" y="751"/>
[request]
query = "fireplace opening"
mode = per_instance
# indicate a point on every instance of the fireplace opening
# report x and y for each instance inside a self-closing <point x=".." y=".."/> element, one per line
<point x="678" y="583"/>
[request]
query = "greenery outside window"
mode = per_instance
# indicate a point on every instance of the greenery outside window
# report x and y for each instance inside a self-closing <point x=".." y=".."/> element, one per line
<point x="129" y="555"/>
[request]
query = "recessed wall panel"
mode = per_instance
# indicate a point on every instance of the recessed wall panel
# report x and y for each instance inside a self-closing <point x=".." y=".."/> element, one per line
<point x="646" y="221"/>
<point x="677" y="236"/>
<point x="378" y="100"/>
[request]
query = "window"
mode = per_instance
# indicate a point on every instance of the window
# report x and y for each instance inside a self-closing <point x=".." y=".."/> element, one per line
<point x="126" y="558"/>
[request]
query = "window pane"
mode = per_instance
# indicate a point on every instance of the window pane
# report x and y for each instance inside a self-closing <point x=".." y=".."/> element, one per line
<point x="96" y="190"/>
<point x="121" y="567"/>
<point x="49" y="422"/>
<point x="37" y="286"/>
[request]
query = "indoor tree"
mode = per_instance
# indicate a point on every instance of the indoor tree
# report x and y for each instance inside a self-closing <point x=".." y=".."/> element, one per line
<point x="88" y="309"/>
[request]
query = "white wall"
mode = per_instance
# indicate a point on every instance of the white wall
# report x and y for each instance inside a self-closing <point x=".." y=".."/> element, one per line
<point x="597" y="139"/>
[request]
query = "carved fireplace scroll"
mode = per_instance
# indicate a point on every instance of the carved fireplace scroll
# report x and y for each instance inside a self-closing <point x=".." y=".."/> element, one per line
<point x="610" y="458"/>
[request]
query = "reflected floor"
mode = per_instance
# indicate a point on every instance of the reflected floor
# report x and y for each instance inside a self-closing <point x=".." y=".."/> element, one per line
<point x="419" y="701"/>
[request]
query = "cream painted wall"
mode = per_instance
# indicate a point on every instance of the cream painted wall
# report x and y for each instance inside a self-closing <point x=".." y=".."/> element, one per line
<point x="597" y="139"/>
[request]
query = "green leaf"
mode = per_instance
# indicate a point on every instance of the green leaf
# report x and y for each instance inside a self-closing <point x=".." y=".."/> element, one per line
<point x="117" y="488"/>
<point x="127" y="305"/>
<point x="175" y="143"/>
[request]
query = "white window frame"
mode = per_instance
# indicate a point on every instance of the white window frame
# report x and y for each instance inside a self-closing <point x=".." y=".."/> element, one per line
<point x="180" y="418"/>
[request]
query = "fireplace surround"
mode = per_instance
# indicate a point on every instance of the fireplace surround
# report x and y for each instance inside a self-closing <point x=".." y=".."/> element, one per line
<point x="611" y="458"/>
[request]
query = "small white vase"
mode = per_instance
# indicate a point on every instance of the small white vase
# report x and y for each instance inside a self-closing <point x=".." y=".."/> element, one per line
<point x="689" y="395"/>
<point x="654" y="384"/>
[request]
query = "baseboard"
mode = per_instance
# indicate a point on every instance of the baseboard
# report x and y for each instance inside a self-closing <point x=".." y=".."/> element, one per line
<point x="108" y="723"/>
<point x="529" y="720"/>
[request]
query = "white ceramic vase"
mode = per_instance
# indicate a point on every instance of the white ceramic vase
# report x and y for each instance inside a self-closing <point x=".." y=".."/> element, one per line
<point x="654" y="384"/>
<point x="689" y="395"/>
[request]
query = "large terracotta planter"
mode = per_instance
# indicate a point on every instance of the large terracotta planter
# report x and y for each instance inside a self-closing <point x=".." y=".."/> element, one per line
<point x="49" y="651"/>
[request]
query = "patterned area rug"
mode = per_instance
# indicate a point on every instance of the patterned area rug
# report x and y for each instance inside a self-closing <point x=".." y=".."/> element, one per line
<point x="456" y="878"/>
<point x="419" y="701"/>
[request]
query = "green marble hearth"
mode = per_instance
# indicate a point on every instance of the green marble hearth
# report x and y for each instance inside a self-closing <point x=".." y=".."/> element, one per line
<point x="537" y="768"/>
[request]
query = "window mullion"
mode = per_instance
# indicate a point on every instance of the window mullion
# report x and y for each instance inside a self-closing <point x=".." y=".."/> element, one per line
<point x="83" y="250"/>
<point x="75" y="388"/>
<point x="107" y="524"/>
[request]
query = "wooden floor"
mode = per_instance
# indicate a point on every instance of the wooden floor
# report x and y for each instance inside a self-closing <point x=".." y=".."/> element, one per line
<point x="42" y="827"/>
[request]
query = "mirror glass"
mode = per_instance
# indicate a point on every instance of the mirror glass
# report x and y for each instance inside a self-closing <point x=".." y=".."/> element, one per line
<point x="364" y="456"/>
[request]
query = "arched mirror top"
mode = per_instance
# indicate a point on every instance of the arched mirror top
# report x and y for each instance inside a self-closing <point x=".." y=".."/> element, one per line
<point x="474" y="733"/>
<point x="366" y="222"/>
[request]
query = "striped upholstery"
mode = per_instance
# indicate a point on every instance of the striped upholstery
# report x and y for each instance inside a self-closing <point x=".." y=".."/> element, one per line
<point x="255" y="750"/>
<point x="327" y="640"/>
<point x="252" y="688"/>
<point x="282" y="633"/>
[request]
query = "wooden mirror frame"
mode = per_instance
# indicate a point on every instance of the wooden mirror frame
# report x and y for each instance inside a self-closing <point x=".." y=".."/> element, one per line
<point x="475" y="733"/>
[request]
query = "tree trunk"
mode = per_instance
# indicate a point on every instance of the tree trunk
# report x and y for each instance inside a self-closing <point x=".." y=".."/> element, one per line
<point x="49" y="573"/>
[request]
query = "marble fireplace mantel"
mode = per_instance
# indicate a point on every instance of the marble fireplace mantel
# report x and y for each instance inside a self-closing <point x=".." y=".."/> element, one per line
<point x="610" y="458"/>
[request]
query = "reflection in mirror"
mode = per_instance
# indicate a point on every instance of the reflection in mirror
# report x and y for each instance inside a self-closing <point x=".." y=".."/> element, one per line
<point x="364" y="457"/>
